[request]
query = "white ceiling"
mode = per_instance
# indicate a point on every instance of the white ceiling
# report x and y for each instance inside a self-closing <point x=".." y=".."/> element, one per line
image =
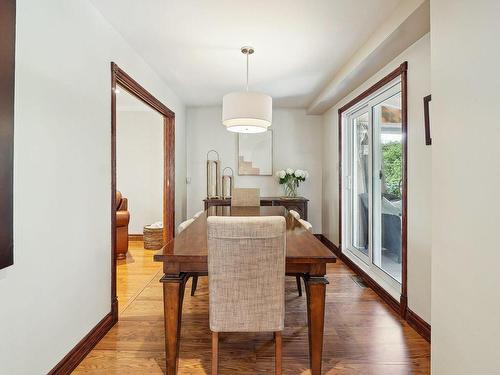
<point x="194" y="45"/>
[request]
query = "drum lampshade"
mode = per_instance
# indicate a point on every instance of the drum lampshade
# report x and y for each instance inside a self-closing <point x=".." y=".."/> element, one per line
<point x="247" y="112"/>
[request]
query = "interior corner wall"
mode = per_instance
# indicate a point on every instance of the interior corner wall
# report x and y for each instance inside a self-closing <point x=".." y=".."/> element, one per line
<point x="419" y="173"/>
<point x="297" y="145"/>
<point x="59" y="286"/>
<point x="139" y="165"/>
<point x="465" y="113"/>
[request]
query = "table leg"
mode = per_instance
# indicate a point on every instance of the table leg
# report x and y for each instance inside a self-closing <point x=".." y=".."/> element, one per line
<point x="173" y="295"/>
<point x="315" y="290"/>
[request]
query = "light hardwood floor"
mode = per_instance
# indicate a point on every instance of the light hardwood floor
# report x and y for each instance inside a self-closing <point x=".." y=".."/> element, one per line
<point x="362" y="336"/>
<point x="134" y="273"/>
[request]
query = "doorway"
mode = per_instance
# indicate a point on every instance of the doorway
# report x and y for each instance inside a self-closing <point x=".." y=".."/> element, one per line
<point x="130" y="104"/>
<point x="373" y="161"/>
<point x="373" y="184"/>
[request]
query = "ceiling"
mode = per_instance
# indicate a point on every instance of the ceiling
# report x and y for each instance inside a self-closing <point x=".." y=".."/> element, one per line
<point x="195" y="45"/>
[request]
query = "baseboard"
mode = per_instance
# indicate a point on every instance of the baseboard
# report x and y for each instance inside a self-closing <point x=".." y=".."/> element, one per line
<point x="329" y="244"/>
<point x="390" y="300"/>
<point x="382" y="293"/>
<point x="419" y="325"/>
<point x="80" y="351"/>
<point x="413" y="320"/>
<point x="114" y="310"/>
<point x="136" y="237"/>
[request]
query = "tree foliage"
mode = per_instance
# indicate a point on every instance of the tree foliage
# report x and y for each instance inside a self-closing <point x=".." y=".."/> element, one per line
<point x="392" y="169"/>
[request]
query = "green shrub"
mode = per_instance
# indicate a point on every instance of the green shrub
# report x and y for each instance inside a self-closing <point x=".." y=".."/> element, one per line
<point x="393" y="160"/>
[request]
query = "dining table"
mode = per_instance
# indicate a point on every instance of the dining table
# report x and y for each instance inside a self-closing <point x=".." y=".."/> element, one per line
<point x="186" y="256"/>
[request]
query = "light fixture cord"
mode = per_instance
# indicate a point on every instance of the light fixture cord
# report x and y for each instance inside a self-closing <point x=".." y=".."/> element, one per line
<point x="247" y="70"/>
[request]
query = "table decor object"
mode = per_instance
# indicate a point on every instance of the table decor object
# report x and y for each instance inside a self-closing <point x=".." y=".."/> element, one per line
<point x="153" y="236"/>
<point x="291" y="179"/>
<point x="227" y="183"/>
<point x="213" y="175"/>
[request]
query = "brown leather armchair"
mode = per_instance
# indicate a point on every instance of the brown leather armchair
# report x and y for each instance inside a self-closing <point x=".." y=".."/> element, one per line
<point x="122" y="220"/>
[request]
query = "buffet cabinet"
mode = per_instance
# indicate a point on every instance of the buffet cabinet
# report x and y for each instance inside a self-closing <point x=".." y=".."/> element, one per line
<point x="298" y="204"/>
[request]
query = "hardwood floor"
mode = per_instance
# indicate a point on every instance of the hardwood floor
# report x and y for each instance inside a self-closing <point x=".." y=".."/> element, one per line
<point x="134" y="273"/>
<point x="362" y="336"/>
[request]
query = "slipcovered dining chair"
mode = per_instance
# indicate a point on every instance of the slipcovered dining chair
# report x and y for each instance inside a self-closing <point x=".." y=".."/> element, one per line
<point x="182" y="226"/>
<point x="295" y="214"/>
<point x="303" y="222"/>
<point x="194" y="282"/>
<point x="306" y="225"/>
<point x="246" y="278"/>
<point x="198" y="214"/>
<point x="245" y="197"/>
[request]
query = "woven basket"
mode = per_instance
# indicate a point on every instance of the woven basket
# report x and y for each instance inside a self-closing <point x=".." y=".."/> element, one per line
<point x="153" y="238"/>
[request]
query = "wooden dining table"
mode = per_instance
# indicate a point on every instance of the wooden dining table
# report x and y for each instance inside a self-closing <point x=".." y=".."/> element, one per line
<point x="186" y="255"/>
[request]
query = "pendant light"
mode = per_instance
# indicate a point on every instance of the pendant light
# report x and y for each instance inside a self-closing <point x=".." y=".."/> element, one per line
<point x="247" y="111"/>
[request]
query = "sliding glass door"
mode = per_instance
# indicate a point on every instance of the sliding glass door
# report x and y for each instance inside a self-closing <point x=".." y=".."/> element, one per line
<point x="372" y="187"/>
<point x="359" y="187"/>
<point x="387" y="192"/>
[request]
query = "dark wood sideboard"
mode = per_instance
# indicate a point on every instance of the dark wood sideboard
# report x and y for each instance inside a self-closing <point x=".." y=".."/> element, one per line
<point x="298" y="204"/>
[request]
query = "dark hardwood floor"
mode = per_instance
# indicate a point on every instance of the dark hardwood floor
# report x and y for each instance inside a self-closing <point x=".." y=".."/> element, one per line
<point x="362" y="336"/>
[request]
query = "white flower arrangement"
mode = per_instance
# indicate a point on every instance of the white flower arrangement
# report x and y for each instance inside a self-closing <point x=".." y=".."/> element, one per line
<point x="291" y="179"/>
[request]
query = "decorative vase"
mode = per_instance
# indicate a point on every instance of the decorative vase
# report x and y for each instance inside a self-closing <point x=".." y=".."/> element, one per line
<point x="213" y="176"/>
<point x="290" y="188"/>
<point x="227" y="183"/>
<point x="291" y="179"/>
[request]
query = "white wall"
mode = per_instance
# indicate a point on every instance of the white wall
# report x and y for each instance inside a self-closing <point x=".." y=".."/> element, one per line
<point x="139" y="165"/>
<point x="297" y="144"/>
<point x="419" y="173"/>
<point x="466" y="178"/>
<point x="59" y="286"/>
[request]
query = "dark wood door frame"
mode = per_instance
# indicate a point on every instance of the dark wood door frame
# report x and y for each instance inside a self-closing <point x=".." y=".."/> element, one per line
<point x="7" y="82"/>
<point x="402" y="71"/>
<point x="119" y="77"/>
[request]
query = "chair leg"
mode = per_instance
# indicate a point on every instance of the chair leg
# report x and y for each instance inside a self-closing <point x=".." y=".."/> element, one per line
<point x="215" y="353"/>
<point x="194" y="283"/>
<point x="278" y="345"/>
<point x="299" y="285"/>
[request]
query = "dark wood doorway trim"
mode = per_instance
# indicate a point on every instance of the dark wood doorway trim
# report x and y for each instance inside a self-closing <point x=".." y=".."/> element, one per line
<point x="7" y="82"/>
<point x="402" y="71"/>
<point x="119" y="77"/>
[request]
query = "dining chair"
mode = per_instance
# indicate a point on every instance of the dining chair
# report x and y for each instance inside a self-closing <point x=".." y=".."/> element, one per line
<point x="245" y="197"/>
<point x="246" y="278"/>
<point x="194" y="282"/>
<point x="306" y="225"/>
<point x="198" y="214"/>
<point x="295" y="214"/>
<point x="303" y="222"/>
<point x="182" y="226"/>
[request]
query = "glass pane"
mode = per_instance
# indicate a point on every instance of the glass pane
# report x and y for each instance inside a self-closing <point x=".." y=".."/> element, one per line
<point x="359" y="198"/>
<point x="388" y="177"/>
